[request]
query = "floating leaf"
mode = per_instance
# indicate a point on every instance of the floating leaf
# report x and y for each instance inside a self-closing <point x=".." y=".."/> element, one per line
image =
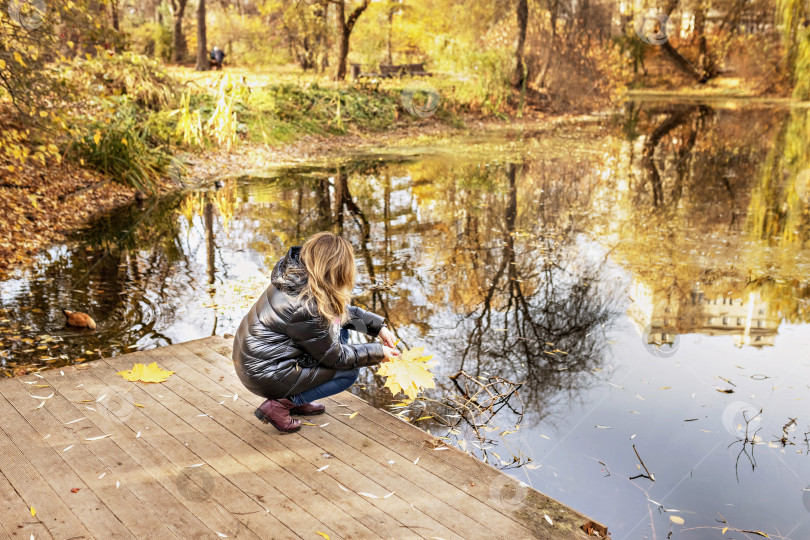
<point x="676" y="519"/>
<point x="408" y="374"/>
<point x="151" y="373"/>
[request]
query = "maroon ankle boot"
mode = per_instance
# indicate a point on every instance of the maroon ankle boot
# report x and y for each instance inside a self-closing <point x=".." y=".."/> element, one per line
<point x="277" y="412"/>
<point x="309" y="409"/>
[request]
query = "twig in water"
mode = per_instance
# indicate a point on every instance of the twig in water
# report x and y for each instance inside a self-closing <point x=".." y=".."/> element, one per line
<point x="649" y="475"/>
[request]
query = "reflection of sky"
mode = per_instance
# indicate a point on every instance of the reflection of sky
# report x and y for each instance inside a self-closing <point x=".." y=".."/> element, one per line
<point x="693" y="468"/>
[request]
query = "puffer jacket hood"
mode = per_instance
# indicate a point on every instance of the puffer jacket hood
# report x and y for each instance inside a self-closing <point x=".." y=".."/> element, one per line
<point x="289" y="275"/>
<point x="283" y="347"/>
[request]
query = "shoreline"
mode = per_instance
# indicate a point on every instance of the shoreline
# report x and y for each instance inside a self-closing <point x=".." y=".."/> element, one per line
<point x="45" y="205"/>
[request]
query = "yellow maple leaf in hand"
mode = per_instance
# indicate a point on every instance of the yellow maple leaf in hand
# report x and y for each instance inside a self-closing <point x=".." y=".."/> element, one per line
<point x="408" y="373"/>
<point x="150" y="373"/>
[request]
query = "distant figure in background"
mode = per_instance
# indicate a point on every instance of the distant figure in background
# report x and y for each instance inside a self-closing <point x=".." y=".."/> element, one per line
<point x="217" y="57"/>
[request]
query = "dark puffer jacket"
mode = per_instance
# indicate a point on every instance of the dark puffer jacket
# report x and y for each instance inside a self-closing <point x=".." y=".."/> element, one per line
<point x="282" y="347"/>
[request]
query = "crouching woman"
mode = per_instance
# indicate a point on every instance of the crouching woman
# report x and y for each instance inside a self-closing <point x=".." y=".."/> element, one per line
<point x="291" y="348"/>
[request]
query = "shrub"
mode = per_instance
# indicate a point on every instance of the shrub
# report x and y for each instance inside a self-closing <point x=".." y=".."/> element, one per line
<point x="152" y="39"/>
<point x="141" y="78"/>
<point x="122" y="146"/>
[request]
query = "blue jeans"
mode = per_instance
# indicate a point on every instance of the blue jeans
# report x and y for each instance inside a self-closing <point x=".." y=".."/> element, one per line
<point x="342" y="380"/>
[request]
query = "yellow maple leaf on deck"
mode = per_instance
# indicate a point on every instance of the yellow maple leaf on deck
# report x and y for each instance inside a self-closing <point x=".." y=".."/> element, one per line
<point x="408" y="374"/>
<point x="150" y="373"/>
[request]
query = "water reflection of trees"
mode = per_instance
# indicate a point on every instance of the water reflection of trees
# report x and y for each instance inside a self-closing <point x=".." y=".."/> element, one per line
<point x="492" y="279"/>
<point x="711" y="208"/>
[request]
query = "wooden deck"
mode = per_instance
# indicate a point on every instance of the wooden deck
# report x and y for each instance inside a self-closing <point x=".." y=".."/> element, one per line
<point x="187" y="459"/>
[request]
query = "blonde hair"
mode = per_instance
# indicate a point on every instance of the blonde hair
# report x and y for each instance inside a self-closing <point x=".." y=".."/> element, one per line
<point x="329" y="261"/>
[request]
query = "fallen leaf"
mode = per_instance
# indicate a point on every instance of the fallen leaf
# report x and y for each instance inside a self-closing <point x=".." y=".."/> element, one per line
<point x="323" y="468"/>
<point x="548" y="519"/>
<point x="369" y="495"/>
<point x="676" y="519"/>
<point x="322" y="534"/>
<point x="150" y="374"/>
<point x="74" y="490"/>
<point x="408" y="374"/>
<point x="33" y="512"/>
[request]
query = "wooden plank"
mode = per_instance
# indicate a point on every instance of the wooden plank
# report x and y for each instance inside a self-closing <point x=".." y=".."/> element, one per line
<point x="189" y="513"/>
<point x="480" y="481"/>
<point x="276" y="472"/>
<point x="18" y="410"/>
<point x="183" y="446"/>
<point x="357" y="451"/>
<point x="15" y="516"/>
<point x="285" y="450"/>
<point x="254" y="482"/>
<point x="144" y="473"/>
<point x="483" y="485"/>
<point x="126" y="507"/>
<point x="405" y="518"/>
<point x="244" y="465"/>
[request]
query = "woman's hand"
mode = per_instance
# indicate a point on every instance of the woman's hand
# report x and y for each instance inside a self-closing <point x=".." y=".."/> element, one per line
<point x="390" y="353"/>
<point x="387" y="337"/>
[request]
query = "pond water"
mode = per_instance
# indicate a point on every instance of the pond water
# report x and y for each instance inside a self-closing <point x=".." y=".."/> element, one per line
<point x="628" y="283"/>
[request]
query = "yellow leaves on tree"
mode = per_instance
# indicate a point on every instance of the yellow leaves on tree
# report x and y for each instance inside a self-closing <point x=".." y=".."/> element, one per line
<point x="408" y="374"/>
<point x="150" y="373"/>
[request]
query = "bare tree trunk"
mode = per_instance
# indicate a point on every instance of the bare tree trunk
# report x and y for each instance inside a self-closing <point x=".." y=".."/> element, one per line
<point x="520" y="75"/>
<point x="679" y="60"/>
<point x="388" y="44"/>
<point x="552" y="8"/>
<point x="202" y="42"/>
<point x="346" y="27"/>
<point x="682" y="63"/>
<point x="114" y="12"/>
<point x="323" y="39"/>
<point x="178" y="8"/>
